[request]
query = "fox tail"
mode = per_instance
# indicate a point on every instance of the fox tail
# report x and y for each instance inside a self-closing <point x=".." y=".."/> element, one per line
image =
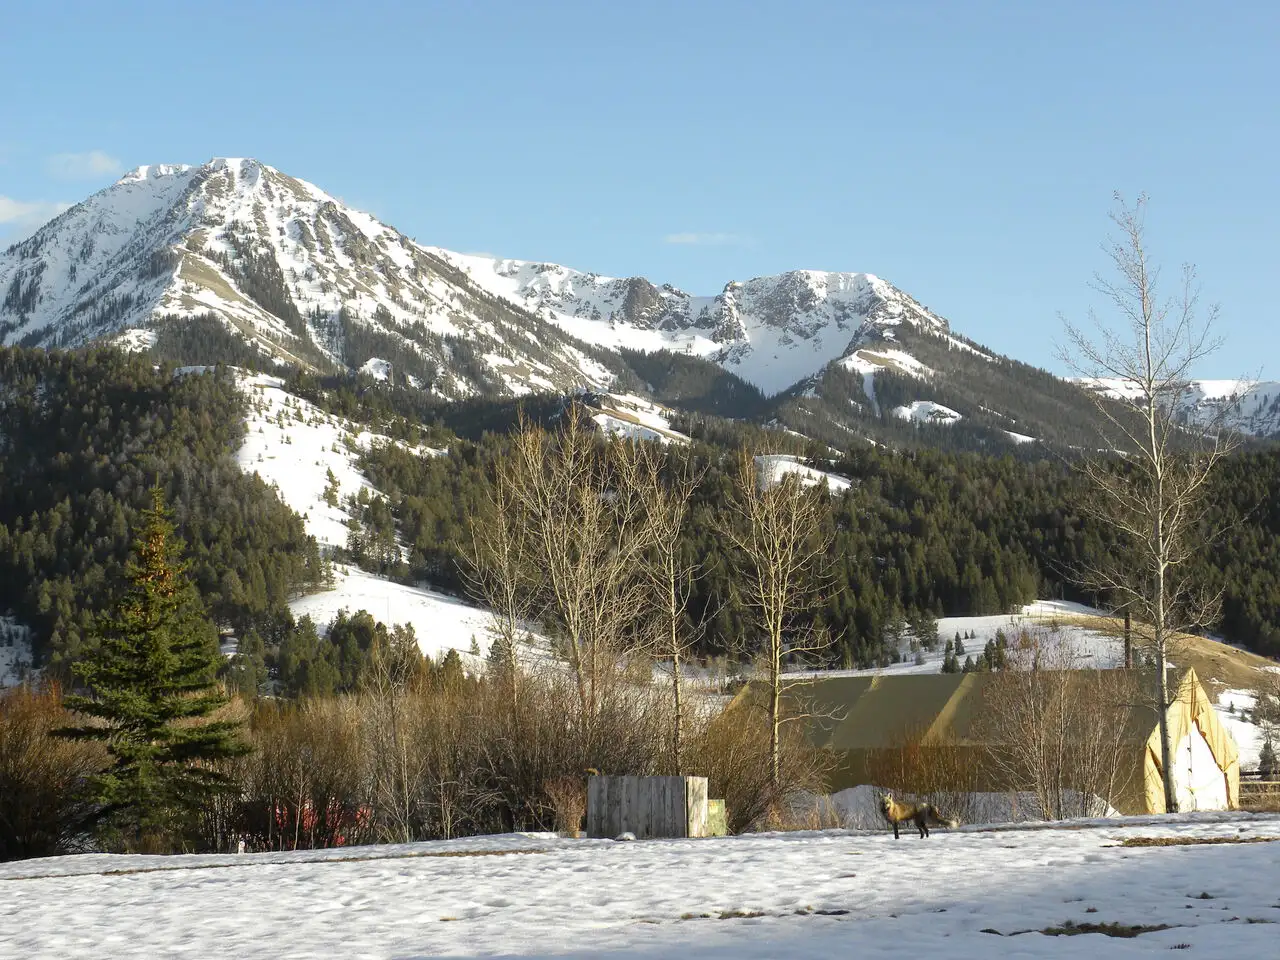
<point x="940" y="819"/>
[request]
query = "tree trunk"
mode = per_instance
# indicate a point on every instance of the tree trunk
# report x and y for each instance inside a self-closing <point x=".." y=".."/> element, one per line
<point x="1166" y="748"/>
<point x="775" y="718"/>
<point x="1128" y="641"/>
<point x="677" y="745"/>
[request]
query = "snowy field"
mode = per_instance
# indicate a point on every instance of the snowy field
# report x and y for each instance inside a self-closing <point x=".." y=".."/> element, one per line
<point x="440" y="622"/>
<point x="1248" y="736"/>
<point x="1049" y="620"/>
<point x="773" y="467"/>
<point x="968" y="893"/>
<point x="632" y="417"/>
<point x="927" y="411"/>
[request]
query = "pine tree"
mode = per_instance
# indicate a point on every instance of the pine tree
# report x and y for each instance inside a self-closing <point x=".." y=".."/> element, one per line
<point x="151" y="683"/>
<point x="452" y="675"/>
<point x="1267" y="761"/>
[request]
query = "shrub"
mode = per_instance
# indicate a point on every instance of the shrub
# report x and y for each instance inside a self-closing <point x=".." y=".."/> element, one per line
<point x="42" y="777"/>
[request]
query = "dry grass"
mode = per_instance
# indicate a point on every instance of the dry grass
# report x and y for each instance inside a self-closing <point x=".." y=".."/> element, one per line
<point x="1260" y="797"/>
<point x="568" y="796"/>
<point x="1188" y="841"/>
<point x="1069" y="928"/>
<point x="1219" y="665"/>
<point x="1125" y="930"/>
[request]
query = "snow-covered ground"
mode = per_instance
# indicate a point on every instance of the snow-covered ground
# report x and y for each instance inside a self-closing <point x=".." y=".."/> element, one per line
<point x="376" y="368"/>
<point x="293" y="444"/>
<point x="1249" y="736"/>
<point x="774" y="467"/>
<point x="15" y="651"/>
<point x="626" y="415"/>
<point x="967" y="893"/>
<point x="926" y="411"/>
<point x="1049" y="621"/>
<point x="440" y="622"/>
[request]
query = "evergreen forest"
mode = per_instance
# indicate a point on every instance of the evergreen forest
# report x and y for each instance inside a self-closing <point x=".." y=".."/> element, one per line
<point x="920" y="533"/>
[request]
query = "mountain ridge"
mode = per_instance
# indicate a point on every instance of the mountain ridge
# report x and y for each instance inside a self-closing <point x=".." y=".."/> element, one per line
<point x="236" y="260"/>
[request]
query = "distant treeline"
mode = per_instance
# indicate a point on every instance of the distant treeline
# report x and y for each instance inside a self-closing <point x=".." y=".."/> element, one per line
<point x="919" y="534"/>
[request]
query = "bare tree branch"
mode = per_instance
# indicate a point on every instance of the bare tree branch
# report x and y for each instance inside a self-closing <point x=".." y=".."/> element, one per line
<point x="1150" y="488"/>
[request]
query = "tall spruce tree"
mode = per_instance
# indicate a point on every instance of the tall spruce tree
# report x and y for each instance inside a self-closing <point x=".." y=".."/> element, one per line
<point x="152" y="688"/>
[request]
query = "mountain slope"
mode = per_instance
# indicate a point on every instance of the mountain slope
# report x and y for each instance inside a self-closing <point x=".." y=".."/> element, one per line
<point x="281" y="265"/>
<point x="770" y="331"/>
<point x="1249" y="406"/>
<point x="234" y="261"/>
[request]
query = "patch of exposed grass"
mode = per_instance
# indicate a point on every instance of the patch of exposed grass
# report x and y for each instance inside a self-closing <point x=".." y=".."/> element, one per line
<point x="1069" y="928"/>
<point x="1189" y="841"/>
<point x="1220" y="666"/>
<point x="741" y="913"/>
<point x="1126" y="931"/>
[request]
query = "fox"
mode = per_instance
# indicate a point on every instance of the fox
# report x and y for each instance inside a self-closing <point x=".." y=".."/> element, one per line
<point x="921" y="814"/>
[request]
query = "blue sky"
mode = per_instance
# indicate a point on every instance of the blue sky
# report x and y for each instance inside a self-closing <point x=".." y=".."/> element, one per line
<point x="965" y="151"/>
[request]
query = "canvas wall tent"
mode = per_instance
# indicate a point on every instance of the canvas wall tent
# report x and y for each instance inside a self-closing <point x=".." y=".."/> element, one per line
<point x="863" y="721"/>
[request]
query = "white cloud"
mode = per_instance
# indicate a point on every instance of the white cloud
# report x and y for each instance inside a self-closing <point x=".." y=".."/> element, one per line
<point x="84" y="166"/>
<point x="19" y="219"/>
<point x="705" y="239"/>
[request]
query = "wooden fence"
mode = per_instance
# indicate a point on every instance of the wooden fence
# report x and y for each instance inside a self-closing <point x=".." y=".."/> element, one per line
<point x="647" y="807"/>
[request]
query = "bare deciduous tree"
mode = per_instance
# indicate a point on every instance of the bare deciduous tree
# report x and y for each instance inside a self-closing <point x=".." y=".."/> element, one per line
<point x="1057" y="730"/>
<point x="671" y="575"/>
<point x="777" y="530"/>
<point x="496" y="567"/>
<point x="574" y="507"/>
<point x="1152" y="495"/>
<point x="394" y="748"/>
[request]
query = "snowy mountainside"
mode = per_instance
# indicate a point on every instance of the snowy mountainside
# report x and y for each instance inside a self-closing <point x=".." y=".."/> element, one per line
<point x="296" y="447"/>
<point x="235" y="261"/>
<point x="1249" y="406"/>
<point x="772" y="468"/>
<point x="311" y="458"/>
<point x="626" y="415"/>
<point x="770" y="331"/>
<point x="281" y="266"/>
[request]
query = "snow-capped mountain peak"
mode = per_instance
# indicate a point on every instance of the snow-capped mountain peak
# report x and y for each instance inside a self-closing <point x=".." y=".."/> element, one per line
<point x="284" y="268"/>
<point x="772" y="331"/>
<point x="233" y="259"/>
